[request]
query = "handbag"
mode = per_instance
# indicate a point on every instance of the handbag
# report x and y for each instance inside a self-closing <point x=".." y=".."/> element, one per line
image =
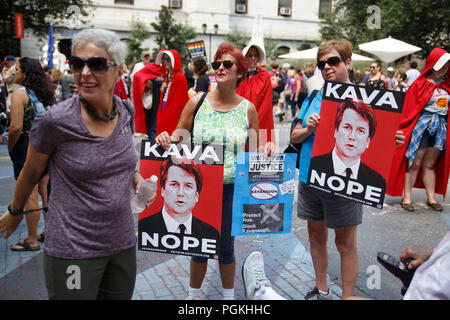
<point x="147" y="98"/>
<point x="297" y="147"/>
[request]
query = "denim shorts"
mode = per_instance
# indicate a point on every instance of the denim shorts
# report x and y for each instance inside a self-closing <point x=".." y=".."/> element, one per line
<point x="338" y="213"/>
<point x="226" y="253"/>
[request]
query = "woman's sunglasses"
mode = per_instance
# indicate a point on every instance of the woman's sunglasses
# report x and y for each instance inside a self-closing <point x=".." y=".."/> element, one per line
<point x="226" y="64"/>
<point x="332" y="62"/>
<point x="95" y="64"/>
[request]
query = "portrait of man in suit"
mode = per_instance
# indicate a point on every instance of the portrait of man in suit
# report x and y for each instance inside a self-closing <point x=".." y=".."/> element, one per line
<point x="355" y="126"/>
<point x="181" y="182"/>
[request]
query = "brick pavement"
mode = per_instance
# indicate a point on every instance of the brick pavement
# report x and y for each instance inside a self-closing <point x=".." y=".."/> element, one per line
<point x="166" y="277"/>
<point x="159" y="276"/>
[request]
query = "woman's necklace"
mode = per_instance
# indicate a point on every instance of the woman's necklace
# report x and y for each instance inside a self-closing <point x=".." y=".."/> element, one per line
<point x="94" y="113"/>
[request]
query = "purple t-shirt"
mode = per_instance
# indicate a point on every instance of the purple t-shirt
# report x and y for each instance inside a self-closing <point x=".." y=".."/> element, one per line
<point x="89" y="212"/>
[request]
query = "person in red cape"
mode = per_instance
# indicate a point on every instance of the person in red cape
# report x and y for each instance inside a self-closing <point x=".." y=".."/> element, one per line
<point x="120" y="91"/>
<point x="423" y="161"/>
<point x="150" y="72"/>
<point x="174" y="91"/>
<point x="257" y="88"/>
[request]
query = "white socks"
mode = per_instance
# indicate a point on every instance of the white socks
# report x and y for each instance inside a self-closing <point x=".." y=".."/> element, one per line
<point x="195" y="294"/>
<point x="228" y="294"/>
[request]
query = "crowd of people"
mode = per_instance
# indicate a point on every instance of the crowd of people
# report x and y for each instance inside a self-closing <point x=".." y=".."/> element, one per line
<point x="73" y="133"/>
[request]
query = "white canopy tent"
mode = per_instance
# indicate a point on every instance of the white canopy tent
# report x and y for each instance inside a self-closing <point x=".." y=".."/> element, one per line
<point x="312" y="54"/>
<point x="389" y="49"/>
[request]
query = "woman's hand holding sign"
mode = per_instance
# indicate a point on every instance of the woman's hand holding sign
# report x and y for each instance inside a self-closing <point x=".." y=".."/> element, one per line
<point x="164" y="140"/>
<point x="269" y="150"/>
<point x="312" y="122"/>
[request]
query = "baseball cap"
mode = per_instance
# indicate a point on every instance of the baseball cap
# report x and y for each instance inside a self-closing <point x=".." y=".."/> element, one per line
<point x="390" y="69"/>
<point x="442" y="61"/>
<point x="10" y="58"/>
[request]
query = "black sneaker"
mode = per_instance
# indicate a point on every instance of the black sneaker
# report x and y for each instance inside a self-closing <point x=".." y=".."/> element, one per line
<point x="316" y="295"/>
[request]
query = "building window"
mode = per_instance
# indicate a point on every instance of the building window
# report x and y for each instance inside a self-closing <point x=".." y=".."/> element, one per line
<point x="325" y="7"/>
<point x="285" y="8"/>
<point x="241" y="6"/>
<point x="176" y="4"/>
<point x="130" y="2"/>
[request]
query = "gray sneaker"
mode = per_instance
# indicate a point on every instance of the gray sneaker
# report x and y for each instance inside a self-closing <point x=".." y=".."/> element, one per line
<point x="316" y="295"/>
<point x="253" y="274"/>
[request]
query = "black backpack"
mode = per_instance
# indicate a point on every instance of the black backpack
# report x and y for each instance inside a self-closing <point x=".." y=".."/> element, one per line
<point x="281" y="83"/>
<point x="297" y="147"/>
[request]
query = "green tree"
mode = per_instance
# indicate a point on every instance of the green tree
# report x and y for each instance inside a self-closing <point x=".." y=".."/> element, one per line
<point x="238" y="39"/>
<point x="37" y="16"/>
<point x="138" y="33"/>
<point x="172" y="35"/>
<point x="421" y="23"/>
<point x="272" y="51"/>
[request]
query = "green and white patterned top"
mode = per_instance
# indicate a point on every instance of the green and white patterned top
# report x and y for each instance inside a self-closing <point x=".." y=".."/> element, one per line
<point x="228" y="128"/>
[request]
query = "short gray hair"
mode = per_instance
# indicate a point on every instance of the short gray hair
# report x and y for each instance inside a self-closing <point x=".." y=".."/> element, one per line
<point x="102" y="38"/>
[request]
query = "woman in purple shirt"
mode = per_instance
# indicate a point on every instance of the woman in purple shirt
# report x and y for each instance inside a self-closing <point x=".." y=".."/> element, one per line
<point x="86" y="141"/>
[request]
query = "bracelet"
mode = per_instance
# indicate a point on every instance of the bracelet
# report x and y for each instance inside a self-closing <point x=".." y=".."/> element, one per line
<point x="15" y="212"/>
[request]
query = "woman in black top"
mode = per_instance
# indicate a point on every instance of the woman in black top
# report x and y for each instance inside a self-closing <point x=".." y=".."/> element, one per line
<point x="201" y="78"/>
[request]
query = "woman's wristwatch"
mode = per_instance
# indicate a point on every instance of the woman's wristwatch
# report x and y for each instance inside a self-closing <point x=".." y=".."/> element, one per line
<point x="15" y="212"/>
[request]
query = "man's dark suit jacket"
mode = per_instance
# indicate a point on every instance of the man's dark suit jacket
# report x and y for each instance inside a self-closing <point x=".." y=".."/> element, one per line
<point x="366" y="175"/>
<point x="155" y="224"/>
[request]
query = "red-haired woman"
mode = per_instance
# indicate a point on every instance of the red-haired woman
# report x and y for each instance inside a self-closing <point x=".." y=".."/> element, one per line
<point x="223" y="116"/>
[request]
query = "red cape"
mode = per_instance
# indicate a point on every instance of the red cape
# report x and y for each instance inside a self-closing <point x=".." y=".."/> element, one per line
<point x="167" y="119"/>
<point x="416" y="97"/>
<point x="120" y="91"/>
<point x="258" y="90"/>
<point x="149" y="72"/>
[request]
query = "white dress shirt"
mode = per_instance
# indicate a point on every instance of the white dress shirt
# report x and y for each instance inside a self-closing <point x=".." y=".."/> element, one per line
<point x="173" y="225"/>
<point x="432" y="278"/>
<point x="340" y="167"/>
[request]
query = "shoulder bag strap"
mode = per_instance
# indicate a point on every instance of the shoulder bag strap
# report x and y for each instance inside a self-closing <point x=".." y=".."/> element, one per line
<point x="199" y="104"/>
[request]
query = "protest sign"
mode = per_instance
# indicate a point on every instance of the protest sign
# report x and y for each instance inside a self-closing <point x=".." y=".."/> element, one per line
<point x="355" y="141"/>
<point x="186" y="215"/>
<point x="197" y="50"/>
<point x="263" y="194"/>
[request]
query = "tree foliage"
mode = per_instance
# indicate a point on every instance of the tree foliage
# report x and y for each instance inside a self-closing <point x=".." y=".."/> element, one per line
<point x="138" y="33"/>
<point x="425" y="24"/>
<point x="172" y="35"/>
<point x="37" y="16"/>
<point x="238" y="39"/>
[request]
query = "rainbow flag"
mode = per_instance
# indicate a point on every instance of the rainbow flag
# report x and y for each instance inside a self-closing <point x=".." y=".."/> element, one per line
<point x="197" y="49"/>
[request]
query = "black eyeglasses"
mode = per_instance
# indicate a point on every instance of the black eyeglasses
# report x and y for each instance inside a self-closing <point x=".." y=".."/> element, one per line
<point x="95" y="64"/>
<point x="226" y="64"/>
<point x="332" y="62"/>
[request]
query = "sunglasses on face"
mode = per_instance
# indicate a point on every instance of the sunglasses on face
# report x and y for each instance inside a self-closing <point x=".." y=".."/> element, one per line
<point x="227" y="64"/>
<point x="332" y="62"/>
<point x="95" y="64"/>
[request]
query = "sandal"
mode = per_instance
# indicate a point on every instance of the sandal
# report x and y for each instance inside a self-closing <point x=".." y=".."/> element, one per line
<point x="407" y="206"/>
<point x="435" y="206"/>
<point x="41" y="237"/>
<point x="25" y="246"/>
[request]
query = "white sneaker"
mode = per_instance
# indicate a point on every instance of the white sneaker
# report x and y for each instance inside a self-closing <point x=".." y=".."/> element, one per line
<point x="253" y="275"/>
